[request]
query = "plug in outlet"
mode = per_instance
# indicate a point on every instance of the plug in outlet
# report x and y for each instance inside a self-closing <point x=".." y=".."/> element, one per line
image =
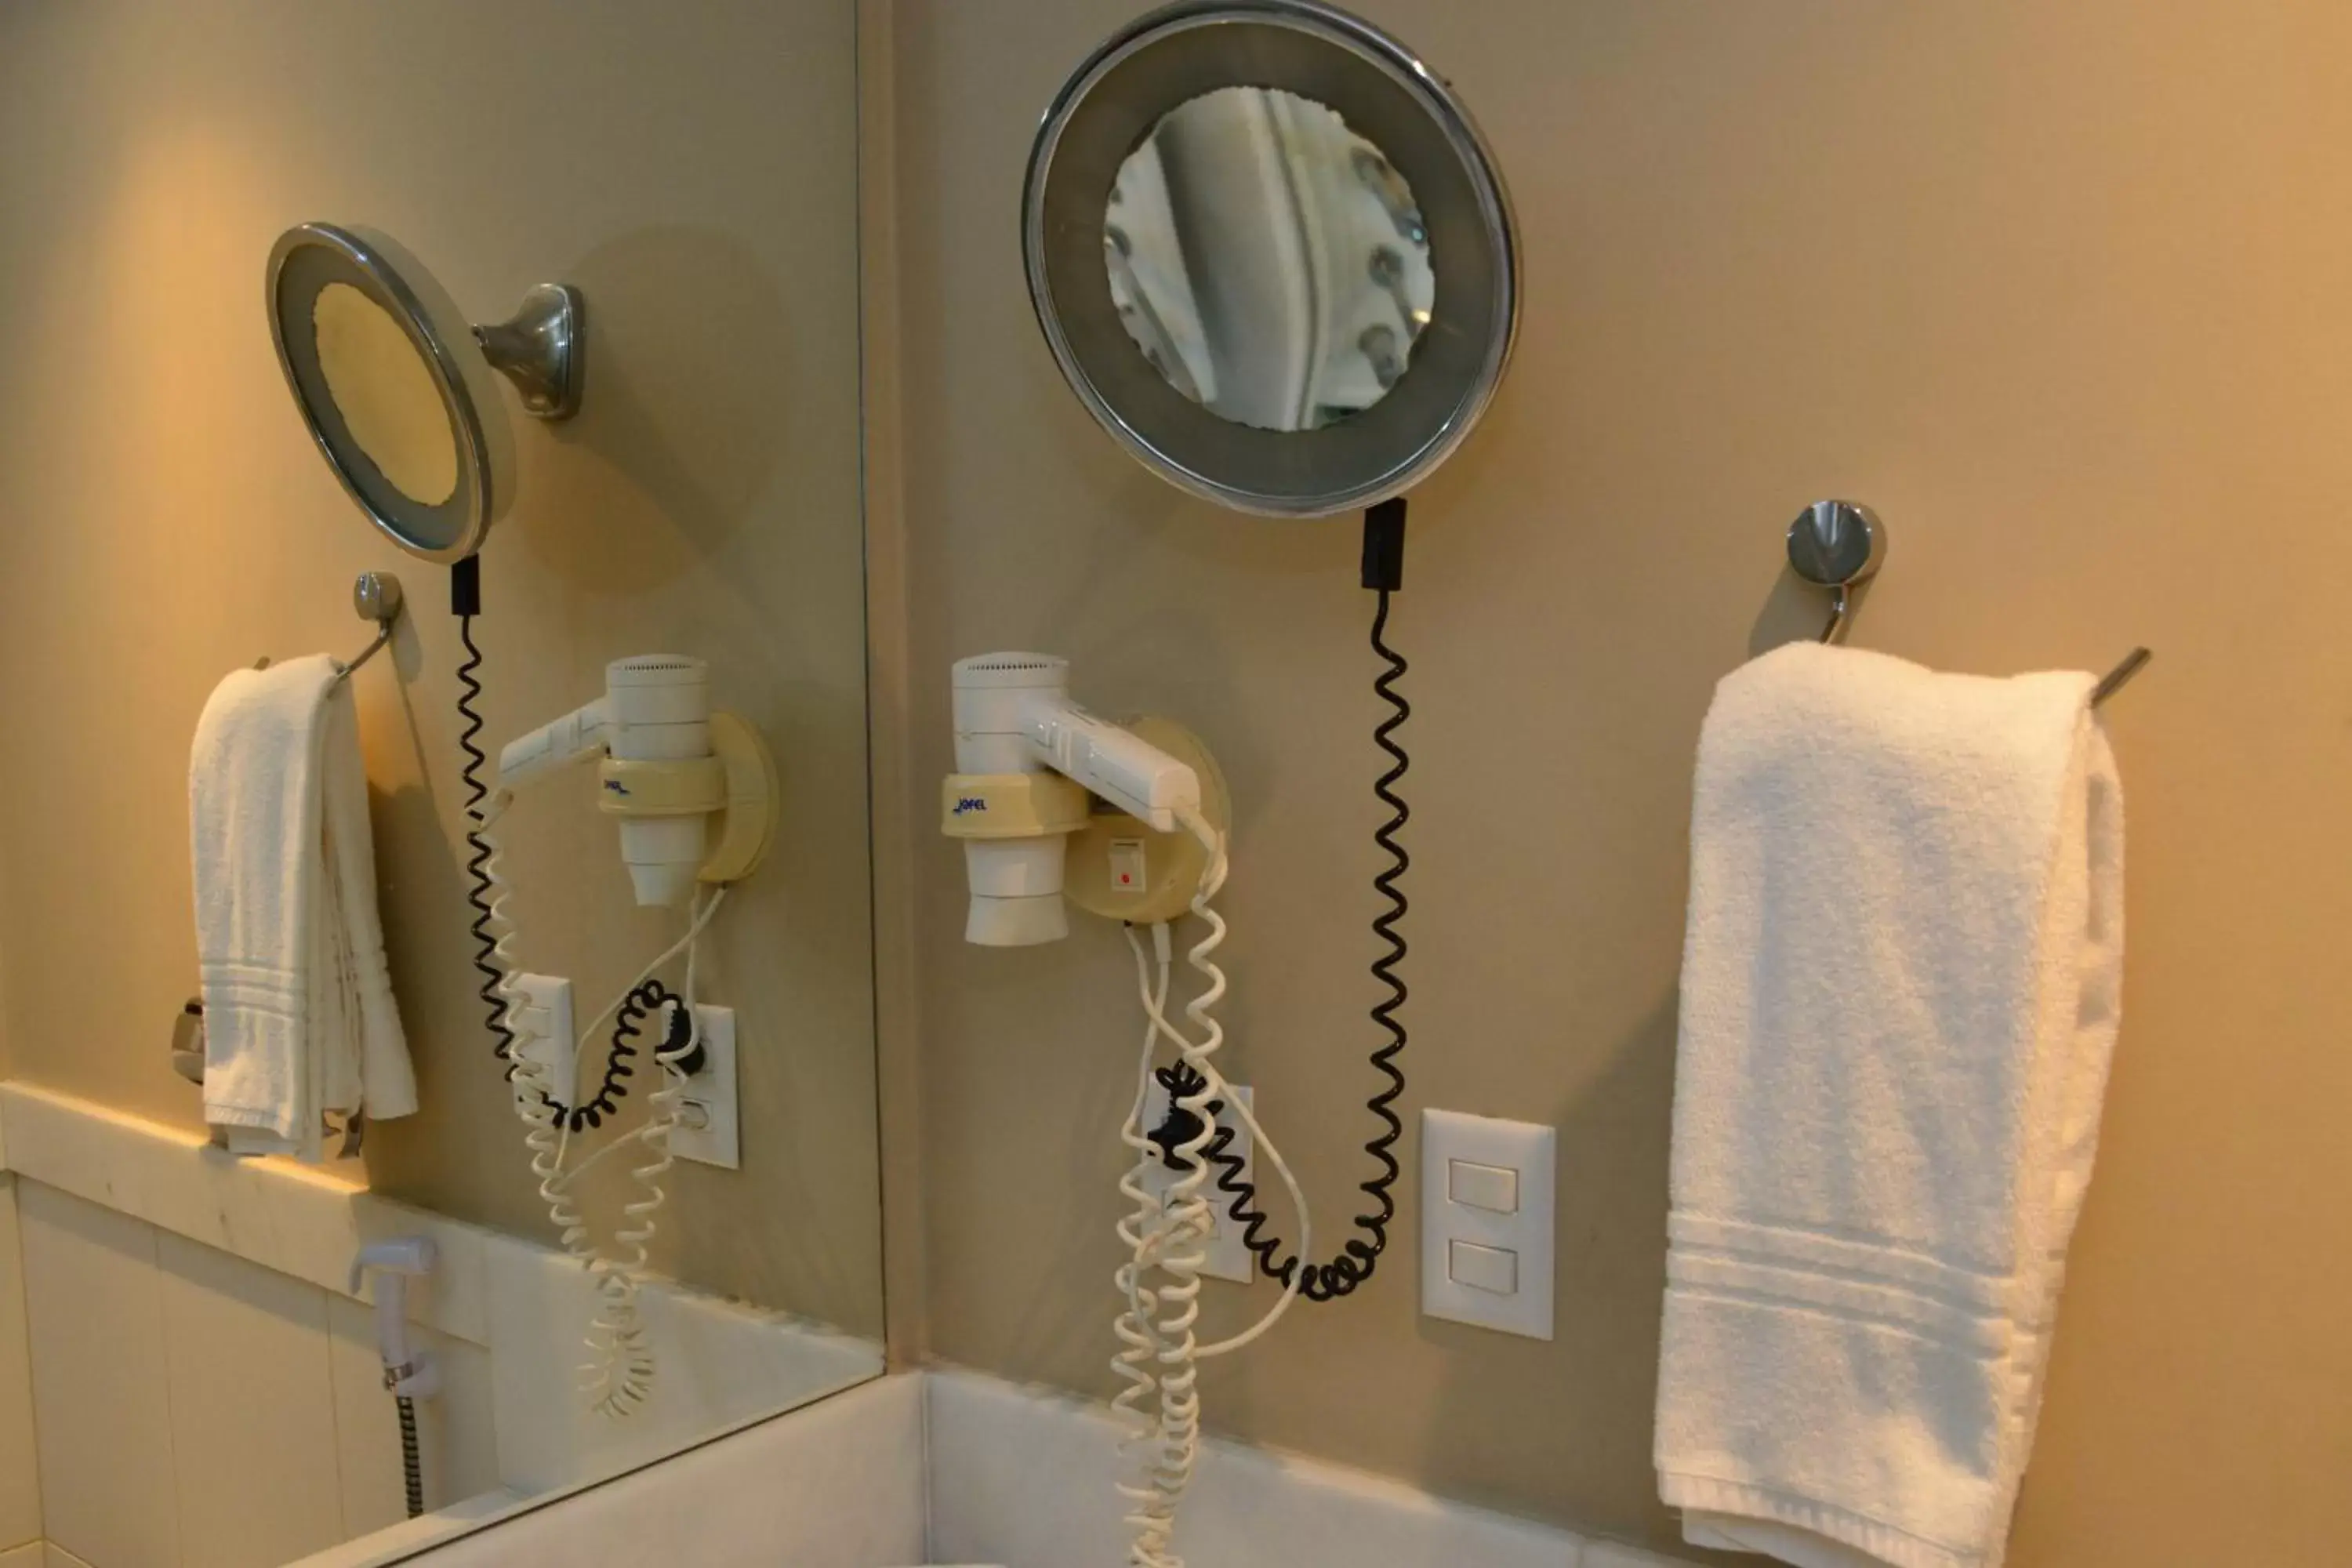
<point x="1227" y="1258"/>
<point x="542" y="1030"/>
<point x="707" y="1127"/>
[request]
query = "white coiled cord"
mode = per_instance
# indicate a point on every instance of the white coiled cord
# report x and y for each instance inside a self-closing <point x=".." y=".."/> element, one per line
<point x="619" y="1379"/>
<point x="1168" y="1231"/>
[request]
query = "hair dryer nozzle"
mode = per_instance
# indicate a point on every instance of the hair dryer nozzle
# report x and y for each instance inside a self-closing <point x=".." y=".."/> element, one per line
<point x="1016" y="890"/>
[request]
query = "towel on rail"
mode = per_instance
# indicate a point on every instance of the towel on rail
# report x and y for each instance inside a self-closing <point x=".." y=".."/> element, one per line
<point x="1899" y="999"/>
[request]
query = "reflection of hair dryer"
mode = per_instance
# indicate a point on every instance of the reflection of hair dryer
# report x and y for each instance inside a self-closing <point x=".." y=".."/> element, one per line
<point x="669" y="764"/>
<point x="1026" y="758"/>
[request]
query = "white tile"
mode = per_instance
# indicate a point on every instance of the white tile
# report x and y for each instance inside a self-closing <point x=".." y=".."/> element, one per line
<point x="252" y="1409"/>
<point x="724" y="1364"/>
<point x="1610" y="1554"/>
<point x="836" y="1485"/>
<point x="539" y="1310"/>
<point x="20" y="1469"/>
<point x="456" y="1436"/>
<point x="1026" y="1478"/>
<point x="280" y="1213"/>
<point x="409" y="1538"/>
<point x="94" y="1300"/>
<point x="719" y="1366"/>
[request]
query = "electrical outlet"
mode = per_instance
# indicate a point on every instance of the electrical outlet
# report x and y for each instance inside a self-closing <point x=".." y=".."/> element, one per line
<point x="709" y="1097"/>
<point x="1227" y="1258"/>
<point x="542" y="1030"/>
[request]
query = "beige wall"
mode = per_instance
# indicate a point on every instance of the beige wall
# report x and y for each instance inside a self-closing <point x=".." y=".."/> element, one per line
<point x="2061" y="289"/>
<point x="691" y="168"/>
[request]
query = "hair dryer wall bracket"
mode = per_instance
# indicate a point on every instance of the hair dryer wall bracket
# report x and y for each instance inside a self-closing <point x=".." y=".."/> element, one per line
<point x="1121" y="867"/>
<point x="735" y="785"/>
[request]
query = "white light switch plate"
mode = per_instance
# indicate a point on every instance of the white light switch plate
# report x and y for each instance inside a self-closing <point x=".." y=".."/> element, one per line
<point x="1228" y="1259"/>
<point x="1447" y="1136"/>
<point x="718" y="1141"/>
<point x="542" y="1029"/>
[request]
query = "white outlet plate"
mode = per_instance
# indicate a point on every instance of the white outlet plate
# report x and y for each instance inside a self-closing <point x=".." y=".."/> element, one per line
<point x="544" y="1033"/>
<point x="719" y="1140"/>
<point x="1228" y="1259"/>
<point x="1474" y="1285"/>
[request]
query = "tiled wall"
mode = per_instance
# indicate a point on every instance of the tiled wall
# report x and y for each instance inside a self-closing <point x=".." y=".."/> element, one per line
<point x="193" y="1410"/>
<point x="190" y="1386"/>
<point x="1021" y="1476"/>
<point x="980" y="1471"/>
<point x="20" y="1476"/>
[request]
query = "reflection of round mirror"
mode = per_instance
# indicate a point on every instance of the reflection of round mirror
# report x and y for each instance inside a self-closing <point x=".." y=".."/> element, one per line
<point x="1271" y="254"/>
<point x="396" y="385"/>
<point x="385" y="393"/>
<point x="387" y="375"/>
<point x="1267" y="261"/>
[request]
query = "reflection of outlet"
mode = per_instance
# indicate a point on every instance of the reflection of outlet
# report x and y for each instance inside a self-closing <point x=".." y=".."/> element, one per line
<point x="1228" y="1259"/>
<point x="542" y="1030"/>
<point x="709" y="1097"/>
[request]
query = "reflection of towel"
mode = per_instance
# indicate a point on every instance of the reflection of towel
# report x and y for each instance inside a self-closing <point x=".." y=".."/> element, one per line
<point x="1899" y="998"/>
<point x="298" y="1016"/>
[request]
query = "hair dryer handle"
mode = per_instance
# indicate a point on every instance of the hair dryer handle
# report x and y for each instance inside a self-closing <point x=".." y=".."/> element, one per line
<point x="577" y="734"/>
<point x="1117" y="765"/>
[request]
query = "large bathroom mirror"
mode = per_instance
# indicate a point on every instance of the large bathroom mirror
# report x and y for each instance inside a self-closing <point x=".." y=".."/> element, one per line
<point x="1272" y="255"/>
<point x="336" y="385"/>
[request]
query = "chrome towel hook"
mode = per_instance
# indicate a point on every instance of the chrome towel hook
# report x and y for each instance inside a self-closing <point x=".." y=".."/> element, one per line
<point x="376" y="597"/>
<point x="2116" y="679"/>
<point x="1837" y="545"/>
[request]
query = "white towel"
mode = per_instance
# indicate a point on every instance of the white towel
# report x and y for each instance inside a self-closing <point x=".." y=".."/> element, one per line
<point x="299" y="1015"/>
<point x="1899" y="999"/>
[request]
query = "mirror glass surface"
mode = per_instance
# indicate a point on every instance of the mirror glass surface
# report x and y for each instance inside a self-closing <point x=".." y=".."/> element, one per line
<point x="385" y="392"/>
<point x="229" y="433"/>
<point x="1271" y="254"/>
<point x="1267" y="261"/>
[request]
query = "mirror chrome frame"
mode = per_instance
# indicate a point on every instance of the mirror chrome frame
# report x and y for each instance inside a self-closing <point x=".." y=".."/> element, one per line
<point x="1381" y="457"/>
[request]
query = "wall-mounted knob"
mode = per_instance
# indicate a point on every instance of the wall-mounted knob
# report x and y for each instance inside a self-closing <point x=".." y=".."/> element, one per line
<point x="1836" y="545"/>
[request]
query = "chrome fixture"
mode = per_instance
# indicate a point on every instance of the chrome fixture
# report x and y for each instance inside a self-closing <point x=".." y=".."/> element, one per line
<point x="377" y="597"/>
<point x="1840" y="544"/>
<point x="395" y="384"/>
<point x="1235" y="349"/>
<point x="1837" y="545"/>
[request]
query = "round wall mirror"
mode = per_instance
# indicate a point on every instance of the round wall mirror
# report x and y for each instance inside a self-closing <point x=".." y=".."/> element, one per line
<point x="1272" y="254"/>
<point x="396" y="388"/>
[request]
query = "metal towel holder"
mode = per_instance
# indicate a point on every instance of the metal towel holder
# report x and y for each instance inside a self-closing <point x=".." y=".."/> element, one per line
<point x="1840" y="544"/>
<point x="376" y="597"/>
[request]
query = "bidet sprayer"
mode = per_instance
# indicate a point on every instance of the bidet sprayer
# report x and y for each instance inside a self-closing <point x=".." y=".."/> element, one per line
<point x="407" y="1370"/>
<point x="1026" y="760"/>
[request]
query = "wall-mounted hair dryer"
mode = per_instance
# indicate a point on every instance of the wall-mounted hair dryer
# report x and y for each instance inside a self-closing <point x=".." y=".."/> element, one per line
<point x="1026" y="759"/>
<point x="670" y="765"/>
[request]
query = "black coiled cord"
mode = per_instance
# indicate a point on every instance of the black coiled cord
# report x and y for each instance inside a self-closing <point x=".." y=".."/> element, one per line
<point x="478" y="857"/>
<point x="641" y="1003"/>
<point x="1384" y="572"/>
<point x="412" y="1457"/>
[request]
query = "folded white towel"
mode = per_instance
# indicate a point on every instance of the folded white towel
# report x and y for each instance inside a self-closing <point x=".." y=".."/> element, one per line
<point x="1899" y="999"/>
<point x="299" y="1015"/>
